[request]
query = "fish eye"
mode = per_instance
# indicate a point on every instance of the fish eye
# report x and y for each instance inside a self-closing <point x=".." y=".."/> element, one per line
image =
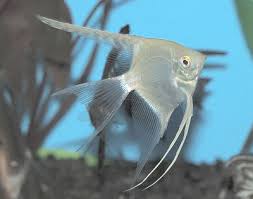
<point x="186" y="61"/>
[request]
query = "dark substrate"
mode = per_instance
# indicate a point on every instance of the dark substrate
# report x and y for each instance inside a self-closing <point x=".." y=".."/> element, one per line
<point x="71" y="179"/>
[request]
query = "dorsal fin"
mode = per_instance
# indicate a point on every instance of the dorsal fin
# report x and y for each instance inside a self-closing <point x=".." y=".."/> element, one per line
<point x="116" y="40"/>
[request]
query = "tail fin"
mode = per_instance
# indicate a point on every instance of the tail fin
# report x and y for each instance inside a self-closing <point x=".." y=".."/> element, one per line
<point x="106" y="96"/>
<point x="115" y="39"/>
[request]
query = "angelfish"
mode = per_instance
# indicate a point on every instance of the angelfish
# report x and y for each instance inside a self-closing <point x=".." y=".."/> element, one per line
<point x="162" y="75"/>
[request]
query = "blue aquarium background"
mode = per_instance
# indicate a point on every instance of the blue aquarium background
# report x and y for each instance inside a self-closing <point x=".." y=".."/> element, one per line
<point x="227" y="111"/>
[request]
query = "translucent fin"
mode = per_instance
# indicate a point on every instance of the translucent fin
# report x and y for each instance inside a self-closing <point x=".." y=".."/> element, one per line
<point x="187" y="114"/>
<point x="120" y="61"/>
<point x="107" y="95"/>
<point x="147" y="125"/>
<point x="115" y="39"/>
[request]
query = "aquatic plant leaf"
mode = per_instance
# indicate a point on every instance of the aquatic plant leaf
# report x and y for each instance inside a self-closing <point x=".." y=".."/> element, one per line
<point x="244" y="10"/>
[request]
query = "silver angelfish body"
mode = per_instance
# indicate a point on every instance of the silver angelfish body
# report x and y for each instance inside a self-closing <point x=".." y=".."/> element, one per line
<point x="161" y="76"/>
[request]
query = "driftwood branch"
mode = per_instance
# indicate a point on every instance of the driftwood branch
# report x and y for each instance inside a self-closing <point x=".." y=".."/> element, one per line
<point x="248" y="143"/>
